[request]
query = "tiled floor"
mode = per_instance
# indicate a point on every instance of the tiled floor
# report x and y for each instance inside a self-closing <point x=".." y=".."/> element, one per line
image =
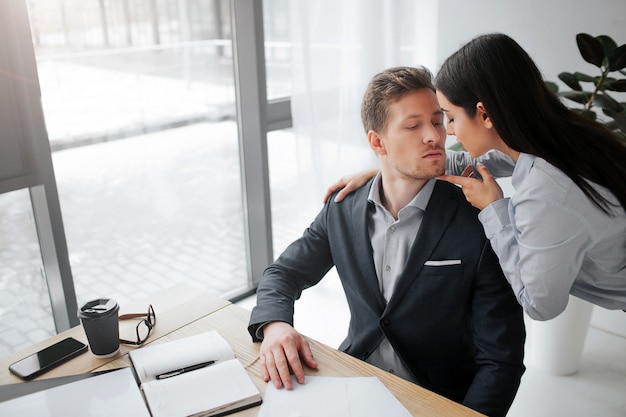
<point x="598" y="389"/>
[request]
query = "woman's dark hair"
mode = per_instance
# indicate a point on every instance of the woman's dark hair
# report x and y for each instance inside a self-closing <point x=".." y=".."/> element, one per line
<point x="495" y="70"/>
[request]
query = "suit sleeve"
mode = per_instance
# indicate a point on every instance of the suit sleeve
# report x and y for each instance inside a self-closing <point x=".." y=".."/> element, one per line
<point x="303" y="264"/>
<point x="499" y="336"/>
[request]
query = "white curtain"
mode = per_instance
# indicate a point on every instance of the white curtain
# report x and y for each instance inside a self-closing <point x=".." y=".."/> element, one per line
<point x="337" y="47"/>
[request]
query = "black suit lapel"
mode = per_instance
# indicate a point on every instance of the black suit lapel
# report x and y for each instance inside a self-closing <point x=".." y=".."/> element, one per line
<point x="439" y="213"/>
<point x="363" y="245"/>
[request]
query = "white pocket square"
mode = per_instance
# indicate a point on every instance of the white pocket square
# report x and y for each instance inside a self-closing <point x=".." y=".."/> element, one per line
<point x="443" y="263"/>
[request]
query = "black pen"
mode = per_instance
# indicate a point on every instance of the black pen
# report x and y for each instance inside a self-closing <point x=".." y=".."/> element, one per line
<point x="183" y="370"/>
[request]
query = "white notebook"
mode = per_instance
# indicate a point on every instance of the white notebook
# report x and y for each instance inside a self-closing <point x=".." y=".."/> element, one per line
<point x="221" y="387"/>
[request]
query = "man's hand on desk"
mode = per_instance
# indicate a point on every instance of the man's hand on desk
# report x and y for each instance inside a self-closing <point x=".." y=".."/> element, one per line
<point x="282" y="349"/>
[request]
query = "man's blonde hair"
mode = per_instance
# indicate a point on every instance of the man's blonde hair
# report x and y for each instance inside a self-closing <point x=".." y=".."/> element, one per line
<point x="388" y="87"/>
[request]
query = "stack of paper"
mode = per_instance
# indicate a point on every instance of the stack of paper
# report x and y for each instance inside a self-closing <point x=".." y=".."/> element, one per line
<point x="332" y="397"/>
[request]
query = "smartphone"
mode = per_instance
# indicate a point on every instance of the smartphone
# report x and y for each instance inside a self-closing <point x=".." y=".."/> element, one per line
<point x="48" y="358"/>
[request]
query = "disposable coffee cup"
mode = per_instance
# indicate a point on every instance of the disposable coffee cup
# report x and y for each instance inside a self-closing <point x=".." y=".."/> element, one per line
<point x="100" y="321"/>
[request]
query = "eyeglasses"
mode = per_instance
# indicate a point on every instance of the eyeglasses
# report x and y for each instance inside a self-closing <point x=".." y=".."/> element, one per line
<point x="144" y="327"/>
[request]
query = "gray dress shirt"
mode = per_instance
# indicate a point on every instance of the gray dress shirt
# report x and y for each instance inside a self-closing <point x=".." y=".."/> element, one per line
<point x="391" y="241"/>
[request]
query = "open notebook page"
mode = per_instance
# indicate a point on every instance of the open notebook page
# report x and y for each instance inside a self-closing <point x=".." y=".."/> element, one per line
<point x="193" y="350"/>
<point x="211" y="390"/>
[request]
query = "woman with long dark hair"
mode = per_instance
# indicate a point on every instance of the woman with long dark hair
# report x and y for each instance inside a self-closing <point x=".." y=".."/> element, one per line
<point x="564" y="229"/>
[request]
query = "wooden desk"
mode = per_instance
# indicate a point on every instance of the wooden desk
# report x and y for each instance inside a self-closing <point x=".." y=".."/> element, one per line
<point x="185" y="311"/>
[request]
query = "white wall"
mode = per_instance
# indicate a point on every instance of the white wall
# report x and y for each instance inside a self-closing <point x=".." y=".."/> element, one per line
<point x="547" y="30"/>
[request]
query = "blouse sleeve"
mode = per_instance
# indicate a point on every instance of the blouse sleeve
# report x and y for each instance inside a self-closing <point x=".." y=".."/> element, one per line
<point x="540" y="244"/>
<point x="498" y="164"/>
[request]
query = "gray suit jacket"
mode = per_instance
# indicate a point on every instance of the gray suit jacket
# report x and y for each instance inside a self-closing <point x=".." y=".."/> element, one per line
<point x="458" y="328"/>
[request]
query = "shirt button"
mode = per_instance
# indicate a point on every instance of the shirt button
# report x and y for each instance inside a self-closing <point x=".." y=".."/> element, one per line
<point x="392" y="228"/>
<point x="387" y="268"/>
<point x="391" y="371"/>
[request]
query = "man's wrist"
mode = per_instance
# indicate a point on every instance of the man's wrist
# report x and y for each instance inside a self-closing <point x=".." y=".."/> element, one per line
<point x="259" y="330"/>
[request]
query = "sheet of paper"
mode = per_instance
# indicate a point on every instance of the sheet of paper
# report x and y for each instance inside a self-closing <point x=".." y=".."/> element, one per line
<point x="108" y="395"/>
<point x="332" y="397"/>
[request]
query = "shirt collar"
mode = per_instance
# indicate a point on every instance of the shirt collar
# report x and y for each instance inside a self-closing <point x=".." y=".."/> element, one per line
<point x="522" y="168"/>
<point x="419" y="201"/>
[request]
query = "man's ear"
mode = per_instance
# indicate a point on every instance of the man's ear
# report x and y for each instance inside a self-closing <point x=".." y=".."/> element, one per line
<point x="376" y="142"/>
<point x="483" y="115"/>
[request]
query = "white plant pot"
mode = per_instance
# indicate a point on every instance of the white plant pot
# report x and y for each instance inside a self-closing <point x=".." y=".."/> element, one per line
<point x="555" y="346"/>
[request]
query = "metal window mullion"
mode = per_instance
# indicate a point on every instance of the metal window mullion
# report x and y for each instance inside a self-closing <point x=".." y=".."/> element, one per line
<point x="39" y="174"/>
<point x="250" y="87"/>
<point x="279" y="114"/>
<point x="54" y="255"/>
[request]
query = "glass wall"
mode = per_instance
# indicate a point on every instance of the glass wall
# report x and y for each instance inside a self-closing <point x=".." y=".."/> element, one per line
<point x="295" y="202"/>
<point x="278" y="47"/>
<point x="139" y="102"/>
<point x="114" y="69"/>
<point x="25" y="312"/>
<point x="139" y="105"/>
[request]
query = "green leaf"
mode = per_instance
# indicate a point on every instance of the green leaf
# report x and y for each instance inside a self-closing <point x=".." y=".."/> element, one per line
<point x="570" y="80"/>
<point x="607" y="102"/>
<point x="615" y="85"/>
<point x="618" y="117"/>
<point x="617" y="59"/>
<point x="585" y="78"/>
<point x="578" y="96"/>
<point x="552" y="86"/>
<point x="608" y="44"/>
<point x="590" y="114"/>
<point x="591" y="49"/>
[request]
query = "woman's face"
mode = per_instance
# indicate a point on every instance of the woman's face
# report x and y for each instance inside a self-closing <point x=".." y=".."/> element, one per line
<point x="476" y="134"/>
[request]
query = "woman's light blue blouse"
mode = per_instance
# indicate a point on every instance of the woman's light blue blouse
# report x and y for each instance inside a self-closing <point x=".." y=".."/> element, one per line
<point x="552" y="240"/>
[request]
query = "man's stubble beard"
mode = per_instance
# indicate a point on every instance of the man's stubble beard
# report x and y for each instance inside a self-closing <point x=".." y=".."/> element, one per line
<point x="420" y="173"/>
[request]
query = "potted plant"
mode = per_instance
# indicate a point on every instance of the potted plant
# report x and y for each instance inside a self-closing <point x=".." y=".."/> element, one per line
<point x="601" y="51"/>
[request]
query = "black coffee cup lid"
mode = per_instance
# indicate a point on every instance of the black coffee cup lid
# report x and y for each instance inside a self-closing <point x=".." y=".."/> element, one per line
<point x="99" y="308"/>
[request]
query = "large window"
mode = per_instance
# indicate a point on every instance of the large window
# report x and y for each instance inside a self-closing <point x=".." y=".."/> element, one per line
<point x="278" y="48"/>
<point x="139" y="99"/>
<point x="25" y="306"/>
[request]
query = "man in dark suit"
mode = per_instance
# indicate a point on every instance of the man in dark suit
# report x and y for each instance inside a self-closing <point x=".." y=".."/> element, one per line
<point x="428" y="300"/>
